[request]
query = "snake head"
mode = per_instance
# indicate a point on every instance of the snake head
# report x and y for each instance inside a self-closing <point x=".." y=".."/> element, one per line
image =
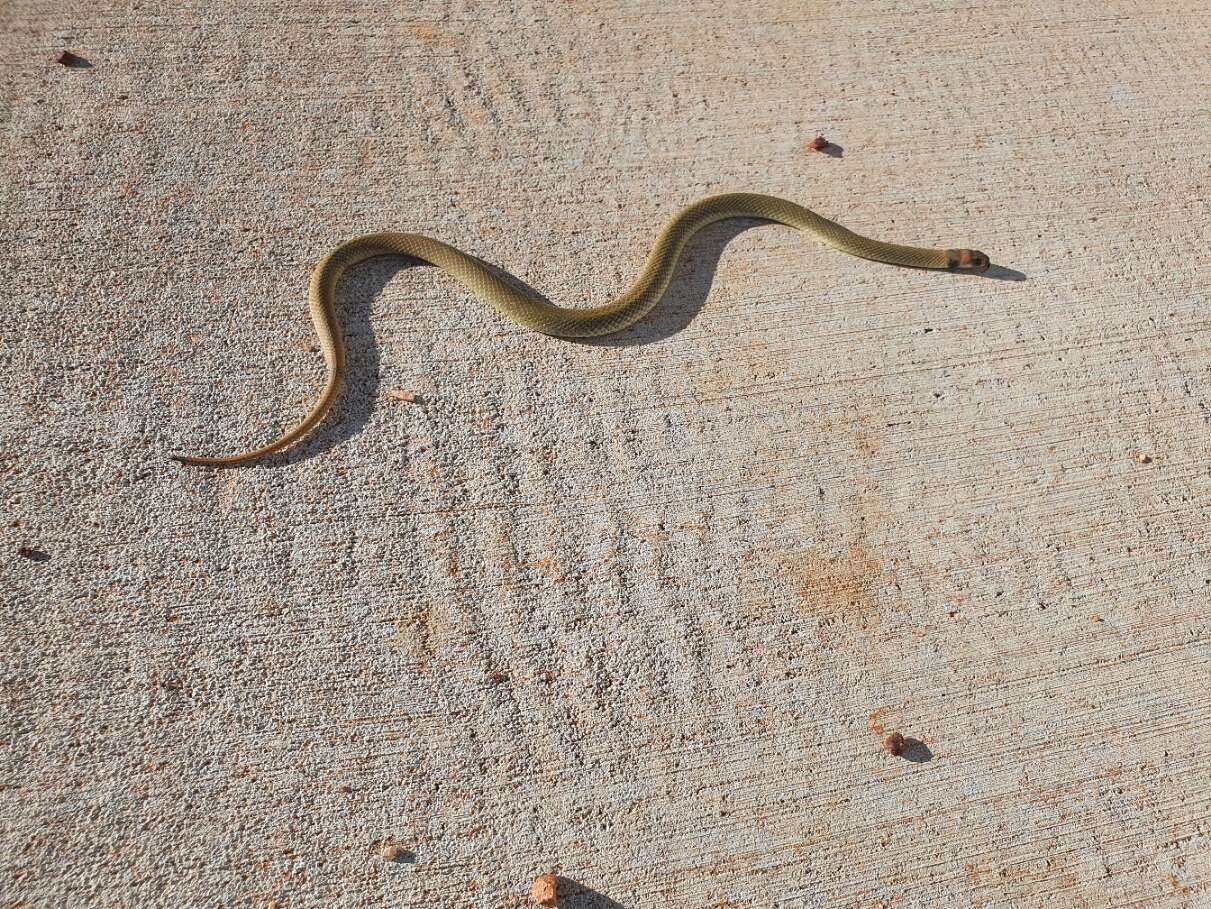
<point x="967" y="260"/>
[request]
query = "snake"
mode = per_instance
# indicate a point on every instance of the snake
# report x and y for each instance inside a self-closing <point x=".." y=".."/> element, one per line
<point x="531" y="311"/>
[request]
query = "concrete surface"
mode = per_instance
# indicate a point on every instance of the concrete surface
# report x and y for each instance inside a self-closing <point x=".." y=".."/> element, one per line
<point x="638" y="612"/>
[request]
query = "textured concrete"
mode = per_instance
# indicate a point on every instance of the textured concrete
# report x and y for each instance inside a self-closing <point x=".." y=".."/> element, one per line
<point x="637" y="612"/>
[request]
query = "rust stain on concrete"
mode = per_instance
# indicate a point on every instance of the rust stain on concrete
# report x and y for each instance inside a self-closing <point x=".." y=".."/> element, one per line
<point x="414" y="634"/>
<point x="434" y="35"/>
<point x="845" y="584"/>
<point x="875" y="721"/>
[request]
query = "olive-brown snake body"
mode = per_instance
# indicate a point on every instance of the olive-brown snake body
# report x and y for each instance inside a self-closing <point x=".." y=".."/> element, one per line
<point x="526" y="309"/>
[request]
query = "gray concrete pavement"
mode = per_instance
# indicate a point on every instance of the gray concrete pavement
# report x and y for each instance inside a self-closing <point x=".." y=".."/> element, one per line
<point x="637" y="612"/>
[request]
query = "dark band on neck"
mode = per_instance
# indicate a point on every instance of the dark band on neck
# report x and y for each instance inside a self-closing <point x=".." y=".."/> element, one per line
<point x="959" y="259"/>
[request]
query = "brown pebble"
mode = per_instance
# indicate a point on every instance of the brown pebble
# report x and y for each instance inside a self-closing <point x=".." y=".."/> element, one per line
<point x="34" y="555"/>
<point x="402" y="394"/>
<point x="67" y="58"/>
<point x="496" y="677"/>
<point x="390" y="852"/>
<point x="544" y="890"/>
<point x="894" y="744"/>
<point x="1143" y="458"/>
<point x="818" y="144"/>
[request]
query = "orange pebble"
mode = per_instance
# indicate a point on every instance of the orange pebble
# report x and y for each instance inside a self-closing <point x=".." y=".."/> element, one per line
<point x="543" y="892"/>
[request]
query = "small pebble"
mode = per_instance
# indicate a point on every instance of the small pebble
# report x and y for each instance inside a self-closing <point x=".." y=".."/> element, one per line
<point x="67" y="58"/>
<point x="894" y="744"/>
<point x="543" y="893"/>
<point x="1143" y="458"/>
<point x="34" y="555"/>
<point x="392" y="853"/>
<point x="818" y="144"/>
<point x="402" y="394"/>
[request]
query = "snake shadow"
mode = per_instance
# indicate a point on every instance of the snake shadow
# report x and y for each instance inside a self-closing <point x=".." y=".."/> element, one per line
<point x="682" y="302"/>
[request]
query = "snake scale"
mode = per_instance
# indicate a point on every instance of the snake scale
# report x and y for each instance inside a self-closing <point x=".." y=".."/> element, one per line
<point x="535" y="313"/>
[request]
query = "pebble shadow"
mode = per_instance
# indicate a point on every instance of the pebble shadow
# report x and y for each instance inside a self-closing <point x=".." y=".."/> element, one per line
<point x="577" y="896"/>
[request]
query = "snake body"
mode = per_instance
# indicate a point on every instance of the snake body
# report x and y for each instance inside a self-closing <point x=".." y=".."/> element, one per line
<point x="541" y="316"/>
